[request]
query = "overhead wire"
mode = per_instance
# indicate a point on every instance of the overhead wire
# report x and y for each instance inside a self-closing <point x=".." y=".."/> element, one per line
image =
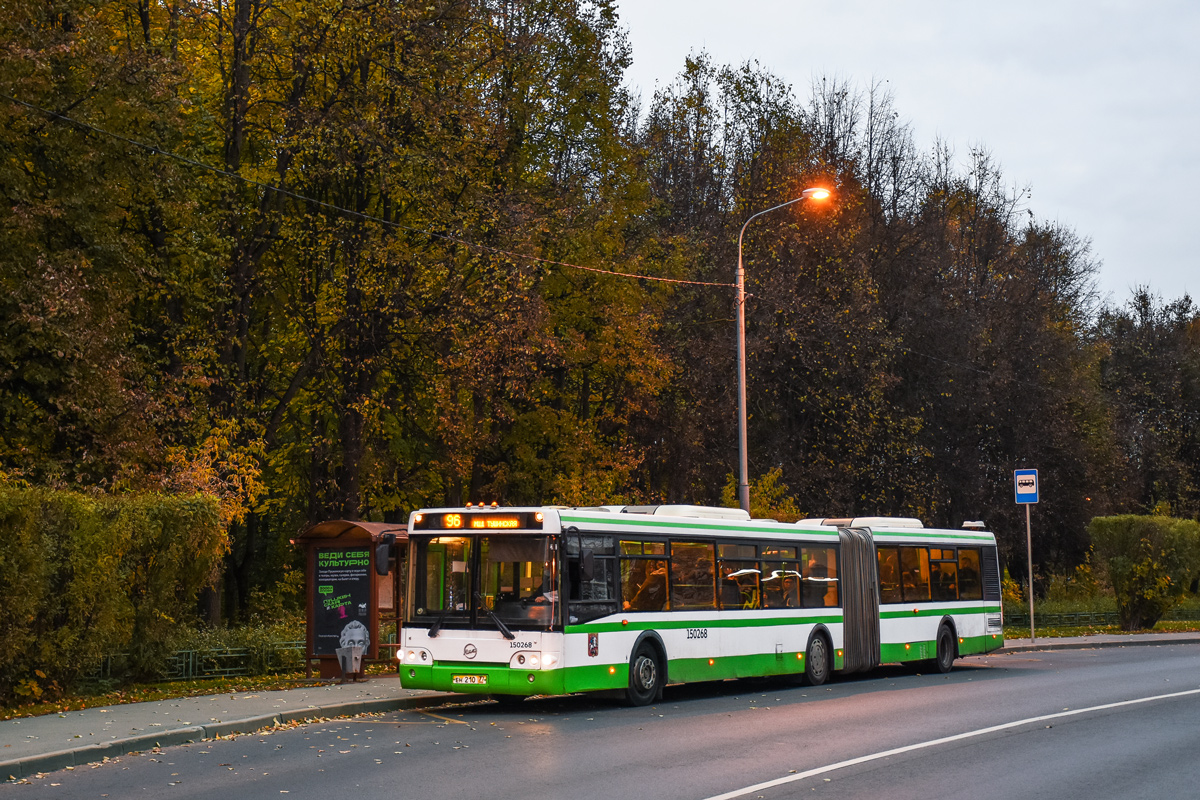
<point x="346" y="211"/>
<point x="425" y="232"/>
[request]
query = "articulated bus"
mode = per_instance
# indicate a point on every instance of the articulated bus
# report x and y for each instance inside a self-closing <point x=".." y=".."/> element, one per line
<point x="512" y="602"/>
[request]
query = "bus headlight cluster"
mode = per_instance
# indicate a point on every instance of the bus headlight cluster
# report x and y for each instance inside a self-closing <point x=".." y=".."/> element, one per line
<point x="530" y="660"/>
<point x="415" y="655"/>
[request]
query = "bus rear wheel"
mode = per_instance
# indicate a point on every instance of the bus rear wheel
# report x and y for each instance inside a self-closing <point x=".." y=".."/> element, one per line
<point x="645" y="676"/>
<point x="943" y="662"/>
<point x="816" y="666"/>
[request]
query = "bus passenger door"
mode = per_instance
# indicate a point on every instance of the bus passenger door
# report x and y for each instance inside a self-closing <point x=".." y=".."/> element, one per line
<point x="860" y="600"/>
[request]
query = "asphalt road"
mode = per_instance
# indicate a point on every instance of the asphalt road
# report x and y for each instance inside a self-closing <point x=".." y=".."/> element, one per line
<point x="1022" y="725"/>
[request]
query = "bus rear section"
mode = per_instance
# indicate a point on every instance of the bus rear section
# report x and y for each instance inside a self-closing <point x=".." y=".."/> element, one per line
<point x="938" y="592"/>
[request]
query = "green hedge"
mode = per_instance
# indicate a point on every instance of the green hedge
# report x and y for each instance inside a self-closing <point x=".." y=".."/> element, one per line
<point x="85" y="576"/>
<point x="1151" y="562"/>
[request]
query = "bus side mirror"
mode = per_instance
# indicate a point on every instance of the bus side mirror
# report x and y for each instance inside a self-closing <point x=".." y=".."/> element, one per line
<point x="586" y="565"/>
<point x="383" y="552"/>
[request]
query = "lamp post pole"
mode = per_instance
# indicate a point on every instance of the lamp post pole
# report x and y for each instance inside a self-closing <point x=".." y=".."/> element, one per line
<point x="743" y="458"/>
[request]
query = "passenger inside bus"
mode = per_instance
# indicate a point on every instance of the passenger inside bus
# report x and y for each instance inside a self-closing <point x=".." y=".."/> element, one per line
<point x="651" y="595"/>
<point x="779" y="589"/>
<point x="746" y="582"/>
<point x="945" y="584"/>
<point x="815" y="586"/>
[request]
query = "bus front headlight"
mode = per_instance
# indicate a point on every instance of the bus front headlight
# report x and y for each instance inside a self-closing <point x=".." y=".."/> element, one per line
<point x="525" y="660"/>
<point x="532" y="660"/>
<point x="417" y="655"/>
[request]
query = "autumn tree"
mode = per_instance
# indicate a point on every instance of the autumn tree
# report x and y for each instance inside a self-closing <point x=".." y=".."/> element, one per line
<point x="94" y="388"/>
<point x="1150" y="377"/>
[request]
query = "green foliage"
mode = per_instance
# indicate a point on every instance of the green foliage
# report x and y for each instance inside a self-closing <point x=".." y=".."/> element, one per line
<point x="1150" y="373"/>
<point x="261" y="638"/>
<point x="254" y="636"/>
<point x="1082" y="583"/>
<point x="769" y="497"/>
<point x="1151" y="562"/>
<point x="404" y="325"/>
<point x="1011" y="592"/>
<point x="85" y="577"/>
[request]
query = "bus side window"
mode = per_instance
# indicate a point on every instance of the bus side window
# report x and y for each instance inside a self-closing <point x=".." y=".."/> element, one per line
<point x="780" y="576"/>
<point x="648" y="584"/>
<point x="889" y="575"/>
<point x="819" y="583"/>
<point x="739" y="572"/>
<point x="970" y="587"/>
<point x="643" y="577"/>
<point x="914" y="574"/>
<point x="943" y="569"/>
<point x="692" y="585"/>
<point x="591" y="596"/>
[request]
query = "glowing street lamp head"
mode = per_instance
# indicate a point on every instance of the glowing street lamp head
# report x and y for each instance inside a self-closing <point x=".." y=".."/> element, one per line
<point x="815" y="193"/>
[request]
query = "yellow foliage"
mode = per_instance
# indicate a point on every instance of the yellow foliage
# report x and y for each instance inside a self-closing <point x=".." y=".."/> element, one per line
<point x="223" y="468"/>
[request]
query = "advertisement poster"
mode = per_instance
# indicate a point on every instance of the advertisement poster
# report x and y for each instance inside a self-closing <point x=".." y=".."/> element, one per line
<point x="342" y="600"/>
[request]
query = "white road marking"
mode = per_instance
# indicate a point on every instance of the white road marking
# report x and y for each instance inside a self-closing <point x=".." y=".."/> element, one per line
<point x="799" y="776"/>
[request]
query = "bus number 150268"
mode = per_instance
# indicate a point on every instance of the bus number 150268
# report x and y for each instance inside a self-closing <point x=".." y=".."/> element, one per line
<point x="697" y="633"/>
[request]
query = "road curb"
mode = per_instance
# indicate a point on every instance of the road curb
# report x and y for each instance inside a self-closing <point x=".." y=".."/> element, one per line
<point x="84" y="755"/>
<point x="18" y="768"/>
<point x="1050" y="644"/>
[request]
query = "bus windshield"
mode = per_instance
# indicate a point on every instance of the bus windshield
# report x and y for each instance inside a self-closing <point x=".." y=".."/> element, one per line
<point x="458" y="579"/>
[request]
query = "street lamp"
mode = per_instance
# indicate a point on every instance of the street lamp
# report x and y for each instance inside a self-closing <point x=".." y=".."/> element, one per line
<point x="743" y="465"/>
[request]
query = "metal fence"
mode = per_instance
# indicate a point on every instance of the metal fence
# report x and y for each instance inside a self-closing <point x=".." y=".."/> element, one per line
<point x="231" y="662"/>
<point x="1084" y="619"/>
<point x="221" y="662"/>
<point x="1074" y="620"/>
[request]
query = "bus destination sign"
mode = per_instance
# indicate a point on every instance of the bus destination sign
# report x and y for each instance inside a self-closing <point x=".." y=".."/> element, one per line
<point x="480" y="521"/>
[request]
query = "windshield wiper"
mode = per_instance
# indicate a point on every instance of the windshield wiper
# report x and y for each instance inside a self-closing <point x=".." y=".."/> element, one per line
<point x="437" y="624"/>
<point x="499" y="622"/>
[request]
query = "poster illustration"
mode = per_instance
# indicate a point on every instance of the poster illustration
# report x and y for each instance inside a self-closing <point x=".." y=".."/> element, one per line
<point x="341" y="601"/>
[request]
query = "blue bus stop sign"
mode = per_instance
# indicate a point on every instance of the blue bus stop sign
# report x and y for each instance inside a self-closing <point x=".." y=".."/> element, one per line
<point x="1025" y="481"/>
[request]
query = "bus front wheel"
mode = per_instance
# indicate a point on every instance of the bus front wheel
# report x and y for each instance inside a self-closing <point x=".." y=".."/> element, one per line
<point x="816" y="666"/>
<point x="645" y="676"/>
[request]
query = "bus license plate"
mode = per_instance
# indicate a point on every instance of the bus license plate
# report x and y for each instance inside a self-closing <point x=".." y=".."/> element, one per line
<point x="469" y="680"/>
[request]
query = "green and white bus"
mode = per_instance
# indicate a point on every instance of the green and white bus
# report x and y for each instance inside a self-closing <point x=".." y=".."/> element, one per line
<point x="512" y="602"/>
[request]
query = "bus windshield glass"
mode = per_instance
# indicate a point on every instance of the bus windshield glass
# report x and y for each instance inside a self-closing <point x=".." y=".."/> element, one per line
<point x="458" y="579"/>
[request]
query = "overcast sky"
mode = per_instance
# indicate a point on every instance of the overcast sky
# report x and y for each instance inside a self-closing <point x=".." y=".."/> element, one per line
<point x="1094" y="105"/>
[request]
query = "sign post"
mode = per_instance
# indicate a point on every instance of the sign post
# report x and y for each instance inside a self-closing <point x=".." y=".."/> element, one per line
<point x="1025" y="483"/>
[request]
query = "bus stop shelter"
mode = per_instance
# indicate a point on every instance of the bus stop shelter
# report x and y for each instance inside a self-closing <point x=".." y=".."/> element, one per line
<point x="355" y="590"/>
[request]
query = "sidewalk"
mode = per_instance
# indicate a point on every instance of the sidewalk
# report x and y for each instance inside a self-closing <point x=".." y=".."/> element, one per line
<point x="1098" y="640"/>
<point x="42" y="744"/>
<point x="54" y="741"/>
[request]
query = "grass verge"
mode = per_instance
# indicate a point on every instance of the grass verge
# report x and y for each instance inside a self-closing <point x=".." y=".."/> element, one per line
<point x="1056" y="632"/>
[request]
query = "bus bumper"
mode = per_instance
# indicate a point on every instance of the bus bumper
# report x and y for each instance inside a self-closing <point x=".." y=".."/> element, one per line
<point x="482" y="679"/>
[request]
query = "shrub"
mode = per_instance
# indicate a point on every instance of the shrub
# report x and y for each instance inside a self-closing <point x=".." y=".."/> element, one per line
<point x="1011" y="592"/>
<point x="262" y="640"/>
<point x="1083" y="584"/>
<point x="1150" y="562"/>
<point x="88" y="576"/>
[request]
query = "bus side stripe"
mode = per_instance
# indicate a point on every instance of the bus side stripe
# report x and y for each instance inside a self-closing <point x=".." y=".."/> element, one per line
<point x="636" y="624"/>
